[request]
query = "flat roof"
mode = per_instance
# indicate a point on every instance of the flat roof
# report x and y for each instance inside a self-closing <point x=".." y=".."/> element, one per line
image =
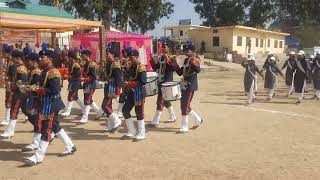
<point x="57" y="24"/>
<point x="226" y="27"/>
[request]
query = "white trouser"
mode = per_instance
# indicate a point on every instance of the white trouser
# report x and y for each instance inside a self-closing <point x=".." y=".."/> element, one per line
<point x="317" y="92"/>
<point x="251" y="94"/>
<point x="302" y="94"/>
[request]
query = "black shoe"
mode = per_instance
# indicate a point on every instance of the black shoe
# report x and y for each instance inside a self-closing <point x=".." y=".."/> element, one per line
<point x="182" y="132"/>
<point x="28" y="150"/>
<point x="169" y="122"/>
<point x="268" y="99"/>
<point x="73" y="150"/>
<point x="125" y="137"/>
<point x="99" y="116"/>
<point x="195" y="127"/>
<point x="298" y="102"/>
<point x="114" y="129"/>
<point x="29" y="163"/>
<point x="152" y="125"/>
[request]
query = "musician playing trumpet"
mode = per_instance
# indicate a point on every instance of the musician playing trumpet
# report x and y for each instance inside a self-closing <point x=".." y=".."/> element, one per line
<point x="165" y="68"/>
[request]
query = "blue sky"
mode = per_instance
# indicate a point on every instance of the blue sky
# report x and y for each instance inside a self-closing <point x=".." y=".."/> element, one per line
<point x="183" y="9"/>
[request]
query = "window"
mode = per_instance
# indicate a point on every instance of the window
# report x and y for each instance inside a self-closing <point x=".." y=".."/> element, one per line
<point x="275" y="43"/>
<point x="268" y="42"/>
<point x="261" y="43"/>
<point x="215" y="41"/>
<point x="257" y="42"/>
<point x="239" y="41"/>
<point x="280" y="44"/>
<point x="181" y="33"/>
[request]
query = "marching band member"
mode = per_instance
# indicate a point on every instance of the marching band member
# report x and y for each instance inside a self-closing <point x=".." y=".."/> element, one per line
<point x="18" y="98"/>
<point x="316" y="76"/>
<point x="10" y="75"/>
<point x="32" y="103"/>
<point x="310" y="68"/>
<point x="165" y="68"/>
<point x="112" y="88"/>
<point x="125" y="65"/>
<point x="89" y="86"/>
<point x="267" y="61"/>
<point x="270" y="82"/>
<point x="189" y="84"/>
<point x="74" y="83"/>
<point x="49" y="107"/>
<point x="135" y="98"/>
<point x="250" y="78"/>
<point x="301" y="76"/>
<point x="291" y="65"/>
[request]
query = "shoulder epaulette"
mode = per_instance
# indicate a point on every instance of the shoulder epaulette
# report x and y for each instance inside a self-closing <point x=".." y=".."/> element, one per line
<point x="54" y="73"/>
<point x="93" y="65"/>
<point x="115" y="65"/>
<point x="36" y="71"/>
<point x="141" y="68"/>
<point x="76" y="65"/>
<point x="22" y="70"/>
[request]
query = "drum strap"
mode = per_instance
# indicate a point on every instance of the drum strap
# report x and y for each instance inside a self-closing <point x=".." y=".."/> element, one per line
<point x="300" y="67"/>
<point x="249" y="70"/>
<point x="290" y="65"/>
<point x="270" y="69"/>
<point x="317" y="63"/>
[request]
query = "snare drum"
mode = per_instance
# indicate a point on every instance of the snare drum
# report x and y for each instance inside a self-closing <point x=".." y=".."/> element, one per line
<point x="171" y="91"/>
<point x="151" y="87"/>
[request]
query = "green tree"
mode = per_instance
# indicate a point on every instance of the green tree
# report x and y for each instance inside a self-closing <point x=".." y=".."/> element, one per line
<point x="140" y="15"/>
<point x="221" y="13"/>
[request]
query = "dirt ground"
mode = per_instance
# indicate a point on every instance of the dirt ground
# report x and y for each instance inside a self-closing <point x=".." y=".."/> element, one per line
<point x="263" y="141"/>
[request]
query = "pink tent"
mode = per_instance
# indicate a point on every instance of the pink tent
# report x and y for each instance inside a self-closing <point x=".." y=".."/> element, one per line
<point x="119" y="40"/>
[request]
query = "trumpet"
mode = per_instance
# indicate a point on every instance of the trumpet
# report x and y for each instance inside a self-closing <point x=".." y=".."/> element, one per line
<point x="28" y="88"/>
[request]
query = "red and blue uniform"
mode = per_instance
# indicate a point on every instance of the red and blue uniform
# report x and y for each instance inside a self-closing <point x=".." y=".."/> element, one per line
<point x="136" y="95"/>
<point x="189" y="84"/>
<point x="112" y="88"/>
<point x="165" y="68"/>
<point x="18" y="98"/>
<point x="74" y="81"/>
<point x="89" y="78"/>
<point x="50" y="102"/>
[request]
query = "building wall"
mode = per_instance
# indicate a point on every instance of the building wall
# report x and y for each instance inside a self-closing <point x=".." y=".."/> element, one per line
<point x="207" y="35"/>
<point x="253" y="36"/>
<point x="176" y="33"/>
